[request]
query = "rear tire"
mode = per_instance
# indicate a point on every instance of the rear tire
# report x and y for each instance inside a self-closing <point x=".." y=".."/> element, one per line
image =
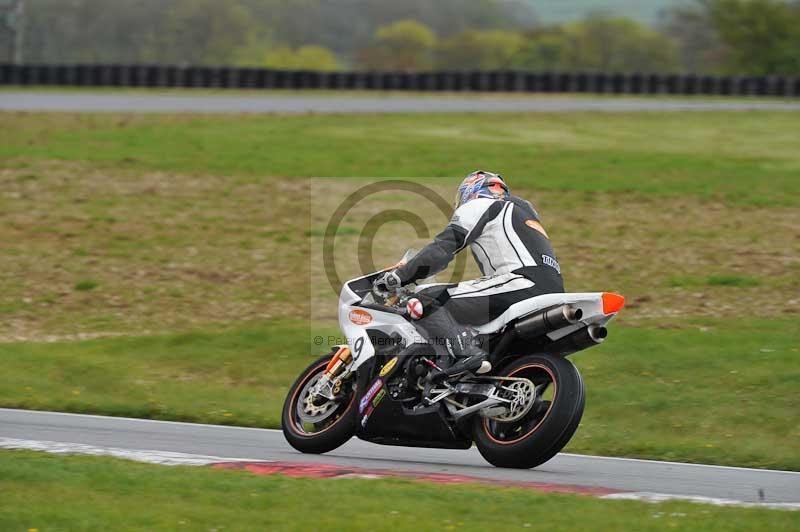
<point x="339" y="428"/>
<point x="546" y="429"/>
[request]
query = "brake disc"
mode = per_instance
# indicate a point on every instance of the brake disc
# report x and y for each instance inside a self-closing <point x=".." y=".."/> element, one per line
<point x="310" y="411"/>
<point x="522" y="396"/>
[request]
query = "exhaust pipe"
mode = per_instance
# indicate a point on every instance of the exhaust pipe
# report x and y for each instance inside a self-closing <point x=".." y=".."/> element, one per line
<point x="547" y="321"/>
<point x="597" y="333"/>
<point x="536" y="326"/>
<point x="579" y="340"/>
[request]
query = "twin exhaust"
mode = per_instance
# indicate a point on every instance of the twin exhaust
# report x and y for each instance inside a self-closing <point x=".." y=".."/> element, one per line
<point x="547" y="321"/>
<point x="579" y="340"/>
<point x="556" y="318"/>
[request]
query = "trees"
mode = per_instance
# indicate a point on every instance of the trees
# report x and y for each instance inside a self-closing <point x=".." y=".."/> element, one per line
<point x="303" y="58"/>
<point x="85" y="31"/>
<point x="761" y="36"/>
<point x="347" y="27"/>
<point x="609" y="44"/>
<point x="203" y="32"/>
<point x="599" y="43"/>
<point x="698" y="47"/>
<point x="487" y="50"/>
<point x="544" y="49"/>
<point x="402" y="45"/>
<point x="706" y="36"/>
<point x="737" y="36"/>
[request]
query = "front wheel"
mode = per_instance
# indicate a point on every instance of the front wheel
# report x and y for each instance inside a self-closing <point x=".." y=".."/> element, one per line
<point x="547" y="426"/>
<point x="318" y="425"/>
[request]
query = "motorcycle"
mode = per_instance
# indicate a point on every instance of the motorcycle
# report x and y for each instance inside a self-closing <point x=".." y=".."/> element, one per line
<point x="377" y="387"/>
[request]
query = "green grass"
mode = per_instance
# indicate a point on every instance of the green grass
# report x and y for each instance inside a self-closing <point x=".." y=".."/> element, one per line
<point x="174" y="252"/>
<point x="45" y="492"/>
<point x="714" y="392"/>
<point x="185" y="221"/>
<point x="86" y="285"/>
<point x="743" y="157"/>
<point x="129" y="225"/>
<point x="731" y="280"/>
<point x="228" y="378"/>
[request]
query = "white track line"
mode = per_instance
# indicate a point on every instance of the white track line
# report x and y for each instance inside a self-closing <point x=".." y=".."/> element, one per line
<point x="664" y="497"/>
<point x="186" y="459"/>
<point x="682" y="464"/>
<point x="150" y="457"/>
<point x="136" y="419"/>
<point x="233" y="427"/>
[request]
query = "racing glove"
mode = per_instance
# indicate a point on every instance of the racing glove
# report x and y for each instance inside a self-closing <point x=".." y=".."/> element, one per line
<point x="387" y="283"/>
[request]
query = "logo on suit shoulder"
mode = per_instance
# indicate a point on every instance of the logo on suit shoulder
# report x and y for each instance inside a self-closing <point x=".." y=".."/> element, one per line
<point x="533" y="224"/>
<point x="550" y="261"/>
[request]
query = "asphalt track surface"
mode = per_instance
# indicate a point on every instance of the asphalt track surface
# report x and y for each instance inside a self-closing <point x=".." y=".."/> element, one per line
<point x="748" y="485"/>
<point x="162" y="103"/>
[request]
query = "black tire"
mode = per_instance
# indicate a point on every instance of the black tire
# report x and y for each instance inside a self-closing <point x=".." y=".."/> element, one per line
<point x="333" y="434"/>
<point x="543" y="432"/>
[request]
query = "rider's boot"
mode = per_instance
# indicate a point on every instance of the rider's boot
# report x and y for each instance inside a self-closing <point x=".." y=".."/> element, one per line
<point x="460" y="343"/>
<point x="470" y="358"/>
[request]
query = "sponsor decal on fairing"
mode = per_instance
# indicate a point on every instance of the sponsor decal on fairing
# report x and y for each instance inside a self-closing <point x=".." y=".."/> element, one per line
<point x="366" y="416"/>
<point x="379" y="397"/>
<point x="369" y="395"/>
<point x="360" y="317"/>
<point x="389" y="366"/>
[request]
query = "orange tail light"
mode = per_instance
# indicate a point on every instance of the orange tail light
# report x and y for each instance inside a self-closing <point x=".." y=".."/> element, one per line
<point x="612" y="303"/>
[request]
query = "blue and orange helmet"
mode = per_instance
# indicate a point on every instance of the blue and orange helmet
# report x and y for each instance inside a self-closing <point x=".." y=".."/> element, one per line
<point x="481" y="184"/>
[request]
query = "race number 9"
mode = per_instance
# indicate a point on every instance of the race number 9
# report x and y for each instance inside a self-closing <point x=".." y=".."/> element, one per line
<point x="358" y="346"/>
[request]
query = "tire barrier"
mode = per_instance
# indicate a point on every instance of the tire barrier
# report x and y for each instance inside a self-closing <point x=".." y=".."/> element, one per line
<point x="457" y="81"/>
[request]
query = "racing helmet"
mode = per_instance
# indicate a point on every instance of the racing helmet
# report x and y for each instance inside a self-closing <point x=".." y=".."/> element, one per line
<point x="481" y="184"/>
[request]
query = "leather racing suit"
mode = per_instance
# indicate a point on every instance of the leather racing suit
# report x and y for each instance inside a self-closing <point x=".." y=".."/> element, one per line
<point x="514" y="255"/>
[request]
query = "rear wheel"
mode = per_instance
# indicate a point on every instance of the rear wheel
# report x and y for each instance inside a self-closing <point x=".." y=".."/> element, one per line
<point x="547" y="426"/>
<point x="318" y="425"/>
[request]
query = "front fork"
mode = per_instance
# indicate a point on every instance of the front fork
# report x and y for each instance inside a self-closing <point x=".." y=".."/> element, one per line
<point x="330" y="382"/>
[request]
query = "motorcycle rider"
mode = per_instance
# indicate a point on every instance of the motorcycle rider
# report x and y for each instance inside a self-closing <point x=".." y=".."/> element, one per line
<point x="513" y="252"/>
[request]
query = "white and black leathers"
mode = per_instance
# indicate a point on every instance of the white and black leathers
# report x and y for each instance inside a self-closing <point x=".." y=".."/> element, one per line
<point x="512" y="251"/>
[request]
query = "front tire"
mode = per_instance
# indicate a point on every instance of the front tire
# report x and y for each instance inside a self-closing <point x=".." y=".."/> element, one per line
<point x="340" y="418"/>
<point x="546" y="429"/>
